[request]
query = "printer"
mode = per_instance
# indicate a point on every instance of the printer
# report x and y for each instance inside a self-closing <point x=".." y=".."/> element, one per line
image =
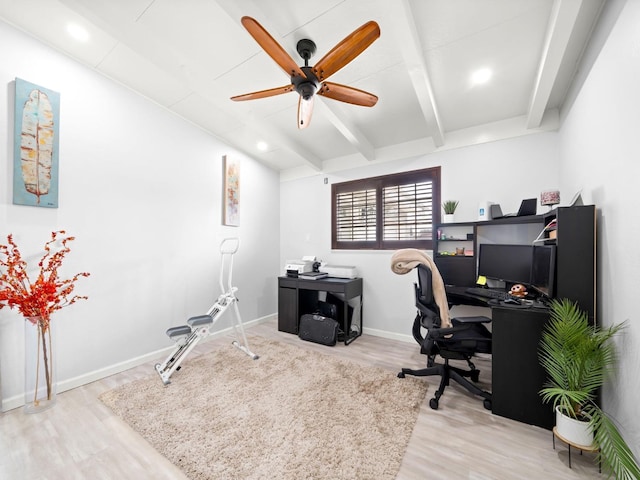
<point x="298" y="266"/>
<point x="339" y="271"/>
<point x="294" y="267"/>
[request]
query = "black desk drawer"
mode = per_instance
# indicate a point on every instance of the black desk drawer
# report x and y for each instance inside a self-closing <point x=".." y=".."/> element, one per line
<point x="287" y="282"/>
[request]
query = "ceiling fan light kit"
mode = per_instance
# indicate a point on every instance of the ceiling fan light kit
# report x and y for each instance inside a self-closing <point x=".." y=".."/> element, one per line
<point x="308" y="81"/>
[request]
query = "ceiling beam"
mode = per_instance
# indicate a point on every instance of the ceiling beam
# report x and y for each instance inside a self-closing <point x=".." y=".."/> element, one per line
<point x="274" y="137"/>
<point x="561" y="25"/>
<point x="401" y="19"/>
<point x="135" y="37"/>
<point x="347" y="128"/>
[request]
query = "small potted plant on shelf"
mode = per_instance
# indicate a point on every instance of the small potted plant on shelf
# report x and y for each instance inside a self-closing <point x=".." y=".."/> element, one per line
<point x="449" y="208"/>
<point x="577" y="358"/>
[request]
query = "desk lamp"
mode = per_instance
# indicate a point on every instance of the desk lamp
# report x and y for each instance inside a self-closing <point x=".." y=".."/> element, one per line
<point x="550" y="198"/>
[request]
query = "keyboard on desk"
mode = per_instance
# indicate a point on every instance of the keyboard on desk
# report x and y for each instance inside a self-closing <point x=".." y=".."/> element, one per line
<point x="487" y="293"/>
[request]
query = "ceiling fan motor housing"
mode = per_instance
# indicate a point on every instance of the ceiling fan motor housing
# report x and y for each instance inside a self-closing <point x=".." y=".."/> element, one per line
<point x="308" y="86"/>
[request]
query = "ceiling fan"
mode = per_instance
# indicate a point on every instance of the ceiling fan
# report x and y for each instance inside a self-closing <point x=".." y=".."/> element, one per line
<point x="309" y="80"/>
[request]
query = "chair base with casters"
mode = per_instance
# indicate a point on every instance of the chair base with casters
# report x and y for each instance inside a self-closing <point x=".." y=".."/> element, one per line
<point x="448" y="372"/>
<point x="465" y="337"/>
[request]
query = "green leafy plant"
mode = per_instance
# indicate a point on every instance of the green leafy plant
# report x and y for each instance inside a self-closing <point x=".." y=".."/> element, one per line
<point x="450" y="206"/>
<point x="577" y="358"/>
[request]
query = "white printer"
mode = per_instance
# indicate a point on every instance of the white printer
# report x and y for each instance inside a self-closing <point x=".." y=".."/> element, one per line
<point x="298" y="266"/>
<point x="339" y="271"/>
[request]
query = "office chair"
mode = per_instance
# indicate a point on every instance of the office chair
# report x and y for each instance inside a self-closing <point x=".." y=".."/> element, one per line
<point x="466" y="337"/>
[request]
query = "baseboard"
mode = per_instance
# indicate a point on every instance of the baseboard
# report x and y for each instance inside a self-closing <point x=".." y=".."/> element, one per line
<point x="390" y="335"/>
<point x="18" y="400"/>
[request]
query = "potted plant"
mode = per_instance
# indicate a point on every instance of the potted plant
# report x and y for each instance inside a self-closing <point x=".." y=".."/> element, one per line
<point x="577" y="358"/>
<point x="449" y="208"/>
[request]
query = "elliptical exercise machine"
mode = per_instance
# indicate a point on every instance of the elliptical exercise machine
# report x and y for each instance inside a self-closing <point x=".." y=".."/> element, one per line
<point x="199" y="327"/>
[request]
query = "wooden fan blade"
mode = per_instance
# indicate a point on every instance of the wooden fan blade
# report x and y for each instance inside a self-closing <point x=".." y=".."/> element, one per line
<point x="305" y="109"/>
<point x="347" y="94"/>
<point x="345" y="51"/>
<point x="271" y="47"/>
<point x="263" y="93"/>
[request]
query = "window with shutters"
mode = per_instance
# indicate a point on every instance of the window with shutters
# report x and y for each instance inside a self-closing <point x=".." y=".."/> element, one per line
<point x="388" y="212"/>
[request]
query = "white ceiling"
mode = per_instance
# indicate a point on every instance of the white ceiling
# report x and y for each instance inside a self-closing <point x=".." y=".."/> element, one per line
<point x="191" y="56"/>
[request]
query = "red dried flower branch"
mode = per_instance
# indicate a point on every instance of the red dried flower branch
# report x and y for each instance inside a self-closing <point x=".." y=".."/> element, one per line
<point x="48" y="293"/>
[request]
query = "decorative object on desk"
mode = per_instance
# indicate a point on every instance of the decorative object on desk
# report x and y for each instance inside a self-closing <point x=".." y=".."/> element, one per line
<point x="576" y="201"/>
<point x="231" y="200"/>
<point x="577" y="357"/>
<point x="518" y="290"/>
<point x="449" y="208"/>
<point x="36" y="134"/>
<point x="296" y="414"/>
<point x="36" y="301"/>
<point x="484" y="211"/>
<point x="550" y="198"/>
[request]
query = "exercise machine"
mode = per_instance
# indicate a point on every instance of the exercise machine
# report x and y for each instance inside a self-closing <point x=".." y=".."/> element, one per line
<point x="199" y="327"/>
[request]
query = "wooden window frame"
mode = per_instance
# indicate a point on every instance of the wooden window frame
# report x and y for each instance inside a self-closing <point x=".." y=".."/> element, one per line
<point x="379" y="183"/>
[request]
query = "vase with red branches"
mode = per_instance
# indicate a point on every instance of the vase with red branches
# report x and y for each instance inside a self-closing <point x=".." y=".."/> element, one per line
<point x="37" y="300"/>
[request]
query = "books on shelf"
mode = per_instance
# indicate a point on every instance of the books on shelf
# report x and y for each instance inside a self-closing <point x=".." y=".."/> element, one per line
<point x="312" y="275"/>
<point x="548" y="233"/>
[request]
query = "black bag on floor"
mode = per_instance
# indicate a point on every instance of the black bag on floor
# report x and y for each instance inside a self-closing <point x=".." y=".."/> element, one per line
<point x="318" y="329"/>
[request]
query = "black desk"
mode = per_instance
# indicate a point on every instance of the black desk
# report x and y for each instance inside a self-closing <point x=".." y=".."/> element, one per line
<point x="516" y="373"/>
<point x="459" y="296"/>
<point x="298" y="296"/>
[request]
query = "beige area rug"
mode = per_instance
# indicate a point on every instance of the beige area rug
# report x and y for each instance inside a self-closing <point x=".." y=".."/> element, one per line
<point x="292" y="414"/>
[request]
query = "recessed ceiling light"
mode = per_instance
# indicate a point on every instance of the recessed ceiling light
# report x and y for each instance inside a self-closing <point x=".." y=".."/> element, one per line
<point x="481" y="76"/>
<point x="78" y="32"/>
<point x="262" y="146"/>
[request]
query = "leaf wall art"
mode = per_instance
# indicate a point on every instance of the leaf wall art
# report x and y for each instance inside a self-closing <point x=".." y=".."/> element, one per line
<point x="35" y="158"/>
<point x="231" y="200"/>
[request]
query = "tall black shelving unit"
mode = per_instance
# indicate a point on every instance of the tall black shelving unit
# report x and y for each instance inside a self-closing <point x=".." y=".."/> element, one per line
<point x="575" y="239"/>
<point x="576" y="255"/>
<point x="517" y="375"/>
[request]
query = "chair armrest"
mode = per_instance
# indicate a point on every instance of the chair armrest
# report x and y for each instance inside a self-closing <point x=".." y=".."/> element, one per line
<point x="467" y="320"/>
<point x="446" y="333"/>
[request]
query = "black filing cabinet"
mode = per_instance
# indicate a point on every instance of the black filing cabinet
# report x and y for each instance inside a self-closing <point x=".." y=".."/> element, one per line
<point x="288" y="307"/>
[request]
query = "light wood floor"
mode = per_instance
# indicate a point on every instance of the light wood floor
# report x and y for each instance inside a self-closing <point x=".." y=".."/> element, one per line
<point x="81" y="439"/>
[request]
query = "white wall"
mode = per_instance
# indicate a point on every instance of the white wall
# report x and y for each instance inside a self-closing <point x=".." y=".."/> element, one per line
<point x="503" y="172"/>
<point x="600" y="152"/>
<point x="140" y="188"/>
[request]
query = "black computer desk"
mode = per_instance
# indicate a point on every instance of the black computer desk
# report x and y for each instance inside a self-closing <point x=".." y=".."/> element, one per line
<point x="297" y="296"/>
<point x="516" y="373"/>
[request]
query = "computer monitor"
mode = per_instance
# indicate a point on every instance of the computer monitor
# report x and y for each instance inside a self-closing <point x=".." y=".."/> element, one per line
<point x="543" y="269"/>
<point x="508" y="263"/>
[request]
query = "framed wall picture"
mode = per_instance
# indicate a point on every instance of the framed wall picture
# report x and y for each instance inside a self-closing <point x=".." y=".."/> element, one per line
<point x="35" y="145"/>
<point x="231" y="189"/>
